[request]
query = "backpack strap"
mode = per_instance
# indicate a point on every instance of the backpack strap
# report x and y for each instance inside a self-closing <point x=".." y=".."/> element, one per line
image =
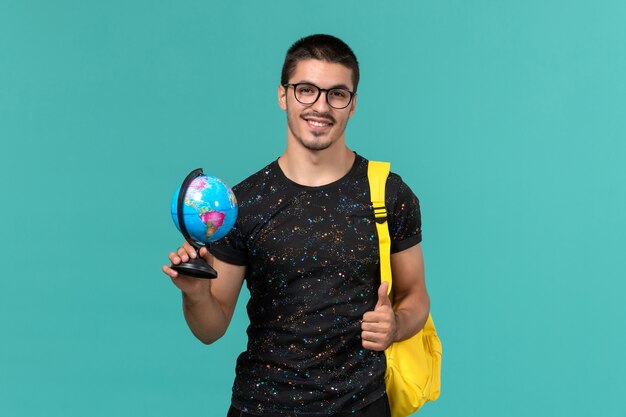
<point x="377" y="173"/>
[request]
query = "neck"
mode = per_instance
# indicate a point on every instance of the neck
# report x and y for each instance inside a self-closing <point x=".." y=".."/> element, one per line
<point x="316" y="168"/>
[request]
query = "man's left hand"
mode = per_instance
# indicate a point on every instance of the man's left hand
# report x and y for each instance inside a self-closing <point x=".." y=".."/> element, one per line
<point x="378" y="328"/>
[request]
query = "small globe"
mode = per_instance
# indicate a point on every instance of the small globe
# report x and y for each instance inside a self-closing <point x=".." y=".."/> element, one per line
<point x="209" y="209"/>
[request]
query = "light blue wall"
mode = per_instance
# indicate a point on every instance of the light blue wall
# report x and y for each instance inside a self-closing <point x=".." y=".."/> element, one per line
<point x="508" y="119"/>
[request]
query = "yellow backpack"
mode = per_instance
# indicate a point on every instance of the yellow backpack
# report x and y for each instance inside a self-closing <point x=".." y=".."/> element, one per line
<point x="413" y="374"/>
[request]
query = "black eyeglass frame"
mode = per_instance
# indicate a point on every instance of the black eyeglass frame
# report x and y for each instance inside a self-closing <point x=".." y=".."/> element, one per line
<point x="319" y="93"/>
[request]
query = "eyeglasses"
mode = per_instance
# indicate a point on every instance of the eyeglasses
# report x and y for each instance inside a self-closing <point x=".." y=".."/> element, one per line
<point x="337" y="98"/>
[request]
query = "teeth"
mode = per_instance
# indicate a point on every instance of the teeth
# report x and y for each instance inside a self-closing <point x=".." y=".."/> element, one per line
<point x="318" y="124"/>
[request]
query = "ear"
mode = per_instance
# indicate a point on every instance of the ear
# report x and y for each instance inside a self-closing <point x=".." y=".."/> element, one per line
<point x="353" y="106"/>
<point x="282" y="97"/>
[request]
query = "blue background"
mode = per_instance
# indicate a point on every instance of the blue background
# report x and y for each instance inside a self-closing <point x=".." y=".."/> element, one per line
<point x="506" y="118"/>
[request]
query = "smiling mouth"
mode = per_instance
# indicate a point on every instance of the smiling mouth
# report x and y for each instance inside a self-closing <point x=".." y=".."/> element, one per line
<point x="317" y="122"/>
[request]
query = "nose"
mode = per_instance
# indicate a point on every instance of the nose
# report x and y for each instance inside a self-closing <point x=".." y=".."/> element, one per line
<point x="321" y="104"/>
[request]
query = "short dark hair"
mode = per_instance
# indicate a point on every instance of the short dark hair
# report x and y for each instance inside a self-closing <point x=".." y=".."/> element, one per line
<point x="322" y="47"/>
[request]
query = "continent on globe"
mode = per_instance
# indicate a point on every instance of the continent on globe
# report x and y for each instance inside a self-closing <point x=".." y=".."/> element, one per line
<point x="213" y="221"/>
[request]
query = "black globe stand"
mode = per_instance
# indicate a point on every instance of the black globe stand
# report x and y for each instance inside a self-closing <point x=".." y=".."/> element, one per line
<point x="197" y="268"/>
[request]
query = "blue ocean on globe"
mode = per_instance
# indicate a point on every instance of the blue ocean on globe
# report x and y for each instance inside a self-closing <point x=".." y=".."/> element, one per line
<point x="209" y="209"/>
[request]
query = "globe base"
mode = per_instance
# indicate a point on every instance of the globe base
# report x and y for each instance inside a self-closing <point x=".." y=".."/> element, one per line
<point x="197" y="268"/>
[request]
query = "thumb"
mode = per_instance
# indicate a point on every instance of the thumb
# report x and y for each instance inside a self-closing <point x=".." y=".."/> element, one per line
<point x="205" y="254"/>
<point x="383" y="299"/>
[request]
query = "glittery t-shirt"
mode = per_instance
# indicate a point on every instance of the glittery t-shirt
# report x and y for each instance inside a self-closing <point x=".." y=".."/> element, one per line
<point x="312" y="271"/>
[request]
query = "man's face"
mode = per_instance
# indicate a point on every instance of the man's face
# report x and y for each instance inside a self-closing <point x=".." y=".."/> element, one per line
<point x="317" y="126"/>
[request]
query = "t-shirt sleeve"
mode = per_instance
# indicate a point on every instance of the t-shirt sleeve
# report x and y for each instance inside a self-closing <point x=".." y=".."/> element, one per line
<point x="405" y="225"/>
<point x="230" y="248"/>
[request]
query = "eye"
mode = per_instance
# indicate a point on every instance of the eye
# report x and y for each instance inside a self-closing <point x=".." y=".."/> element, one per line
<point x="306" y="90"/>
<point x="339" y="93"/>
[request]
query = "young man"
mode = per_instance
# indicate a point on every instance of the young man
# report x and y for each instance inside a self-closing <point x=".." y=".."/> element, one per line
<point x="305" y="242"/>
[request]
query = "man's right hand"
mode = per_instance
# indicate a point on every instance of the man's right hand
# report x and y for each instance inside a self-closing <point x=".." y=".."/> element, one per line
<point x="192" y="287"/>
<point x="208" y="304"/>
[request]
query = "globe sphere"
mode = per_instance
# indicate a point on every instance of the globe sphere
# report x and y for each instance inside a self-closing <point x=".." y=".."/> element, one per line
<point x="209" y="209"/>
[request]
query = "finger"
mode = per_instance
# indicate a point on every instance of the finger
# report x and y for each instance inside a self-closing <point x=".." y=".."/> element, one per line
<point x="376" y="327"/>
<point x="182" y="253"/>
<point x="191" y="251"/>
<point x="383" y="299"/>
<point x="375" y="317"/>
<point x="368" y="317"/>
<point x="372" y="344"/>
<point x="205" y="254"/>
<point x="382" y="315"/>
<point x="373" y="337"/>
<point x="169" y="272"/>
<point x="174" y="258"/>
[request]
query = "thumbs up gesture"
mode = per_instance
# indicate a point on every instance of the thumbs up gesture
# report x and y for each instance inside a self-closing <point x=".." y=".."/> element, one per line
<point x="378" y="328"/>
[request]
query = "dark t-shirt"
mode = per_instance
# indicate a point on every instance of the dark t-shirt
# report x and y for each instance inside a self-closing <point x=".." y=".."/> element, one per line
<point x="312" y="270"/>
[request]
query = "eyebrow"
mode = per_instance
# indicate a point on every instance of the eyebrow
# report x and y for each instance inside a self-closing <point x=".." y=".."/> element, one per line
<point x="342" y="86"/>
